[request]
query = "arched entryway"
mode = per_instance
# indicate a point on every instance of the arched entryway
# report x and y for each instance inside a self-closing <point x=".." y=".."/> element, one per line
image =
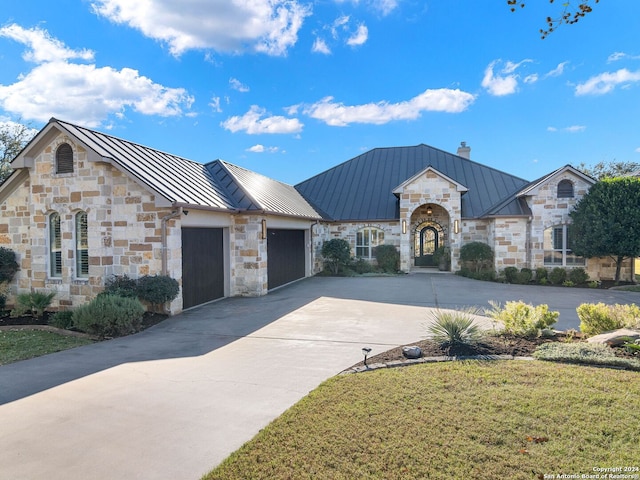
<point x="429" y="229"/>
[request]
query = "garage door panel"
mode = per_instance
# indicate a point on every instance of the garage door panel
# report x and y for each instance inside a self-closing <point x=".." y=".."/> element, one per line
<point x="202" y="265"/>
<point x="286" y="256"/>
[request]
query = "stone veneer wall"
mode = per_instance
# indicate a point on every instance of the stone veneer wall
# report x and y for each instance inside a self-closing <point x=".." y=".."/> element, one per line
<point x="124" y="227"/>
<point x="509" y="243"/>
<point x="429" y="188"/>
<point x="248" y="256"/>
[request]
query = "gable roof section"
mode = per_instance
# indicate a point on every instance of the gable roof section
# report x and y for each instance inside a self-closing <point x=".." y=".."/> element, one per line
<point x="532" y="187"/>
<point x="362" y="188"/>
<point x="252" y="191"/>
<point x="459" y="187"/>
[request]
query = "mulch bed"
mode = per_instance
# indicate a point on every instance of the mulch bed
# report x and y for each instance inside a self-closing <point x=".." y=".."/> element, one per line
<point x="489" y="345"/>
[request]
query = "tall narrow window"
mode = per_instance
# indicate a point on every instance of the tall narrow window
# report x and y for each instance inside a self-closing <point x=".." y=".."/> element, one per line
<point x="82" y="246"/>
<point x="55" y="246"/>
<point x="64" y="159"/>
<point x="565" y="189"/>
<point x="366" y="240"/>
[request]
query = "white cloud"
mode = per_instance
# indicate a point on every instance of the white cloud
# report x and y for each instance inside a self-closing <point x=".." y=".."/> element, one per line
<point x="606" y="82"/>
<point x="261" y="149"/>
<point x="552" y="129"/>
<point x="215" y="104"/>
<point x="616" y="56"/>
<point x="340" y="115"/>
<point x="499" y="85"/>
<point x="556" y="72"/>
<point x="42" y="47"/>
<point x="82" y="93"/>
<point x="637" y="150"/>
<point x="268" y="26"/>
<point x="571" y="129"/>
<point x="253" y="123"/>
<point x="359" y="37"/>
<point x="238" y="85"/>
<point x="320" y="46"/>
<point x="384" y="7"/>
<point x="533" y="78"/>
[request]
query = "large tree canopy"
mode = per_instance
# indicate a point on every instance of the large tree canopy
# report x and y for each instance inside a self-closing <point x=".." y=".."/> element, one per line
<point x="606" y="221"/>
<point x="612" y="169"/>
<point x="569" y="14"/>
<point x="13" y="138"/>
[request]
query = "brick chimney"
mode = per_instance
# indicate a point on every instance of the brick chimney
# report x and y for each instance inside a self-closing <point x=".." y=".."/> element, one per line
<point x="464" y="151"/>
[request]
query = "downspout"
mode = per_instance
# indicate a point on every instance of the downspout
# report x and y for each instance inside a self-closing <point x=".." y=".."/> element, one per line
<point x="165" y="260"/>
<point x="528" y="242"/>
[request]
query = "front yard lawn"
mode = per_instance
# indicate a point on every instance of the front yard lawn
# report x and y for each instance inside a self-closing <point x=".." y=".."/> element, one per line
<point x="454" y="420"/>
<point x="18" y="345"/>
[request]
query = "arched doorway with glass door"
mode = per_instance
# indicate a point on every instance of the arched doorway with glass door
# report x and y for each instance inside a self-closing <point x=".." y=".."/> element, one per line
<point x="427" y="237"/>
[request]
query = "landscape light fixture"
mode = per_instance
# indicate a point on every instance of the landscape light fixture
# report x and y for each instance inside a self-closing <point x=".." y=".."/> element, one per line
<point x="365" y="352"/>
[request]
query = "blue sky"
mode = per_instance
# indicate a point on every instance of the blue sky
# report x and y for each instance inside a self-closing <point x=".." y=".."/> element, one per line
<point x="292" y="88"/>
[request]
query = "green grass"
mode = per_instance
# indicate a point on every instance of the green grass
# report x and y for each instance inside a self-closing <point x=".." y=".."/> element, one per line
<point x="630" y="288"/>
<point x="18" y="345"/>
<point x="457" y="420"/>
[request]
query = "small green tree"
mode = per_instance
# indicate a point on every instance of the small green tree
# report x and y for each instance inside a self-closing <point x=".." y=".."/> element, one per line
<point x="479" y="255"/>
<point x="606" y="221"/>
<point x="8" y="265"/>
<point x="336" y="253"/>
<point x="13" y="137"/>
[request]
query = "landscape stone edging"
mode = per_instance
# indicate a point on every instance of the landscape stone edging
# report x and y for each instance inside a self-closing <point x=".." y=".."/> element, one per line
<point x="415" y="361"/>
<point x="47" y="328"/>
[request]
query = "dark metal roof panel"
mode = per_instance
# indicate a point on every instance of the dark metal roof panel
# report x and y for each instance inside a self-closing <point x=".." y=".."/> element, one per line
<point x="361" y="188"/>
<point x="175" y="178"/>
<point x="258" y="192"/>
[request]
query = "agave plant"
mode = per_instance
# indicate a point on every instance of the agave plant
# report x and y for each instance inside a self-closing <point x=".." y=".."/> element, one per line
<point x="454" y="327"/>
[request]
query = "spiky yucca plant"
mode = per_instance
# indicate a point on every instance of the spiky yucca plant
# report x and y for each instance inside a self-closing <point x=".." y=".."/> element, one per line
<point x="454" y="327"/>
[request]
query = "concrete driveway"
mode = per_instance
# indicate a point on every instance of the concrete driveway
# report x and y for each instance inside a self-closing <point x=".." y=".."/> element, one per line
<point x="175" y="400"/>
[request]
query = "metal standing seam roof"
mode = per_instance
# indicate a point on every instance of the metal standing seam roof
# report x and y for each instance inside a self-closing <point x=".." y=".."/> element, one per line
<point x="177" y="179"/>
<point x="362" y="188"/>
<point x="252" y="191"/>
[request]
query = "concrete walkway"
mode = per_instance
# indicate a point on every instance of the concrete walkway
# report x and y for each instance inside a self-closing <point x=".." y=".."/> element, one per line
<point x="175" y="400"/>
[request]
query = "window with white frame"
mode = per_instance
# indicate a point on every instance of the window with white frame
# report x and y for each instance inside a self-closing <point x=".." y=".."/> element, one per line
<point x="366" y="240"/>
<point x="557" y="251"/>
<point x="82" y="246"/>
<point x="55" y="246"/>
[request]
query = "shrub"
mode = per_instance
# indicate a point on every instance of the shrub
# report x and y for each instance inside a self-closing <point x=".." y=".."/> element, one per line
<point x="511" y="274"/>
<point x="568" y="283"/>
<point x="62" y="320"/>
<point x="589" y="353"/>
<point x="523" y="319"/>
<point x="479" y="255"/>
<point x="578" y="276"/>
<point x="596" y="318"/>
<point x="157" y="289"/>
<point x="8" y="265"/>
<point x="33" y="303"/>
<point x="454" y="327"/>
<point x="121" y="285"/>
<point x="388" y="258"/>
<point x="361" y="266"/>
<point x="557" y="276"/>
<point x="442" y="256"/>
<point x="109" y="316"/>
<point x="336" y="253"/>
<point x="525" y="276"/>
<point x="541" y="274"/>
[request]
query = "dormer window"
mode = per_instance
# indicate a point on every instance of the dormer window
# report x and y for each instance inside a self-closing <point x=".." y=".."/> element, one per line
<point x="64" y="159"/>
<point x="565" y="189"/>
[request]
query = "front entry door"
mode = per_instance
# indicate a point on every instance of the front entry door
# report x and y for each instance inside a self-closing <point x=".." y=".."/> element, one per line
<point x="425" y="246"/>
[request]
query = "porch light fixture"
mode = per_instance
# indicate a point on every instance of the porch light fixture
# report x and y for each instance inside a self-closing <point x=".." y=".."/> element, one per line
<point x="404" y="226"/>
<point x="264" y="229"/>
<point x="456" y="226"/>
<point x="366" y="351"/>
<point x="429" y="210"/>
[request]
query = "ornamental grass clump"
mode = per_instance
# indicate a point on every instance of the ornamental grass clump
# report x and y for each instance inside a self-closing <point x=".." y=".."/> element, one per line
<point x="522" y="319"/>
<point x="451" y="328"/>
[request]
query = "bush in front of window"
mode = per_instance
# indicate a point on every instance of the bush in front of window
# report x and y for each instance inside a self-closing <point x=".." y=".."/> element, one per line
<point x="32" y="303"/>
<point x="388" y="258"/>
<point x="542" y="275"/>
<point x="524" y="276"/>
<point x="477" y="255"/>
<point x="121" y="285"/>
<point x="109" y="316"/>
<point x="557" y="276"/>
<point x="511" y="274"/>
<point x="336" y="253"/>
<point x="157" y="289"/>
<point x="578" y="276"/>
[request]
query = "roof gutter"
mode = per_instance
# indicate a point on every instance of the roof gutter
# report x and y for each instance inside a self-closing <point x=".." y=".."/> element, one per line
<point x="191" y="206"/>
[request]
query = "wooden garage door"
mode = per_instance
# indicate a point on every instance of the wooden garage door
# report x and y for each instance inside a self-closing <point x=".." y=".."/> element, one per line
<point x="202" y="265"/>
<point x="286" y="256"/>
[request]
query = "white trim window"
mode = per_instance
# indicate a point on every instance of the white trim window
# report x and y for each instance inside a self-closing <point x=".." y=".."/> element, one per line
<point x="366" y="240"/>
<point x="55" y="246"/>
<point x="82" y="246"/>
<point x="556" y="247"/>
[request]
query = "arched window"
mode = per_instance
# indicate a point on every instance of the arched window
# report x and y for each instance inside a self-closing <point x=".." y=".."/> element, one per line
<point x="55" y="246"/>
<point x="366" y="240"/>
<point x="557" y="247"/>
<point x="82" y="246"/>
<point x="64" y="159"/>
<point x="565" y="189"/>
